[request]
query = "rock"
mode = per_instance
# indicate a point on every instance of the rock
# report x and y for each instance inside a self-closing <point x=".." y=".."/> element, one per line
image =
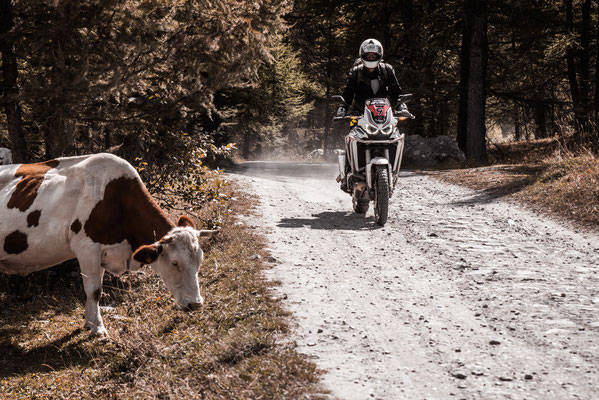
<point x="428" y="152"/>
<point x="458" y="375"/>
<point x="528" y="377"/>
<point x="494" y="342"/>
<point x="5" y="156"/>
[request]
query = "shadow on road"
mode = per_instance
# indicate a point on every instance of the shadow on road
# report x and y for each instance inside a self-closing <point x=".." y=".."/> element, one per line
<point x="332" y="220"/>
<point x="493" y="193"/>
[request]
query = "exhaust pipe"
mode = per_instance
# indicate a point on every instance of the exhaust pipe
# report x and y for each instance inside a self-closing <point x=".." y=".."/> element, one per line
<point x="341" y="162"/>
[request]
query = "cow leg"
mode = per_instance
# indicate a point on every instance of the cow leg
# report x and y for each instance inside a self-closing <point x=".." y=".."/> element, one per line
<point x="92" y="275"/>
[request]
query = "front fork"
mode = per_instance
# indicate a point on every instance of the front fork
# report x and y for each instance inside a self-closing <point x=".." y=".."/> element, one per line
<point x="370" y="163"/>
<point x="382" y="161"/>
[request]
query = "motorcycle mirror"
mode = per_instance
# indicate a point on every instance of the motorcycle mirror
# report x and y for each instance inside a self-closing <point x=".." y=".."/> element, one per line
<point x="404" y="114"/>
<point x="339" y="99"/>
<point x="404" y="98"/>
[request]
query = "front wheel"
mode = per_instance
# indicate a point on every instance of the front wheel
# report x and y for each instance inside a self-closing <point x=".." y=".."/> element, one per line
<point x="381" y="202"/>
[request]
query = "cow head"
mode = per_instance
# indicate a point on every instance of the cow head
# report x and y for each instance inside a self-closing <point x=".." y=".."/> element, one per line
<point x="177" y="258"/>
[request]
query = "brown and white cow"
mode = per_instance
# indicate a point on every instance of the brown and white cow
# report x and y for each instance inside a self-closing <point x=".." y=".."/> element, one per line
<point x="94" y="208"/>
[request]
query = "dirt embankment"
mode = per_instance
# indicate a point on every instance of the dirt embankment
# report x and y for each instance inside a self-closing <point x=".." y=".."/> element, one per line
<point x="458" y="296"/>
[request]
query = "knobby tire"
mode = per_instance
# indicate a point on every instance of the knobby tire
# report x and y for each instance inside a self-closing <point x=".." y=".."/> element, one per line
<point x="381" y="206"/>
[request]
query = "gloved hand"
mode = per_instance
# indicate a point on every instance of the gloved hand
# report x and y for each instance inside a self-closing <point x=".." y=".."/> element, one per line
<point x="341" y="111"/>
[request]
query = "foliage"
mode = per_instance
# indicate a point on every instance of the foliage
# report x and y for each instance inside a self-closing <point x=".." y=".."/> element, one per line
<point x="185" y="180"/>
<point x="528" y="79"/>
<point x="270" y="111"/>
<point x="107" y="73"/>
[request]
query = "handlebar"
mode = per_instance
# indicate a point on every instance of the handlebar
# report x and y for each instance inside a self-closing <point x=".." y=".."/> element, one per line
<point x="337" y="118"/>
<point x="402" y="113"/>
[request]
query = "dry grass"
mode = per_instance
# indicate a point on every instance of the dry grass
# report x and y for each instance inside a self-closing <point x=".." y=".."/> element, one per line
<point x="541" y="175"/>
<point x="569" y="187"/>
<point x="234" y="348"/>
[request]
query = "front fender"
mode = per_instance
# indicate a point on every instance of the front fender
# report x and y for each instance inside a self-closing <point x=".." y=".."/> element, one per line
<point x="374" y="161"/>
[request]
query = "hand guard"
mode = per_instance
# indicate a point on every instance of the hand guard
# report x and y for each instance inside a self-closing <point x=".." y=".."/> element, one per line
<point x="341" y="111"/>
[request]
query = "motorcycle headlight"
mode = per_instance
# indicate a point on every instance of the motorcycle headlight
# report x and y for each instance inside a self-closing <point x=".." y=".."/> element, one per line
<point x="360" y="133"/>
<point x="372" y="130"/>
<point x="388" y="130"/>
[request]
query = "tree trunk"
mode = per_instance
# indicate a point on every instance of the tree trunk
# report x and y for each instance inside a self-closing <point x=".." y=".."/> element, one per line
<point x="10" y="90"/>
<point x="58" y="129"/>
<point x="476" y="146"/>
<point x="327" y="101"/>
<point x="596" y="102"/>
<point x="578" y="89"/>
<point x="540" y="120"/>
<point x="517" y="132"/>
<point x="585" y="79"/>
<point x="585" y="43"/>
<point x="464" y="73"/>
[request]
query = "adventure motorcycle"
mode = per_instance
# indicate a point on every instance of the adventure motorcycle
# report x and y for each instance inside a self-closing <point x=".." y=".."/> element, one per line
<point x="373" y="150"/>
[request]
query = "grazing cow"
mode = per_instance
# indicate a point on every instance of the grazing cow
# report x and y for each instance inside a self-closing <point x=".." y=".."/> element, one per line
<point x="94" y="208"/>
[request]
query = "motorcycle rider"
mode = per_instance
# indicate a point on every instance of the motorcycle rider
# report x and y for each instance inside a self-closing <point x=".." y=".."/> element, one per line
<point x="368" y="78"/>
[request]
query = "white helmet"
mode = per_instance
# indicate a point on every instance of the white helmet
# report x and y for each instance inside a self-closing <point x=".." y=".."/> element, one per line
<point x="371" y="53"/>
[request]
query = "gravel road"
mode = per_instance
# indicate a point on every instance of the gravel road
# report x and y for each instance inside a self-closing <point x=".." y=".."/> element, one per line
<point x="459" y="296"/>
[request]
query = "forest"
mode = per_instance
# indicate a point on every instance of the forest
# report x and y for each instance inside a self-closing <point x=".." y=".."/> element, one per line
<point x="177" y="81"/>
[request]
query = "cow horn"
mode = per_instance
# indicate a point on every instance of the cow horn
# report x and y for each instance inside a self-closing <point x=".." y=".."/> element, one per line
<point x="208" y="233"/>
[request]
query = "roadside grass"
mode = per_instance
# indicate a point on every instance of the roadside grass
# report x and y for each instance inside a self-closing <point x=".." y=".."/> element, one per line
<point x="541" y="175"/>
<point x="568" y="187"/>
<point x="233" y="348"/>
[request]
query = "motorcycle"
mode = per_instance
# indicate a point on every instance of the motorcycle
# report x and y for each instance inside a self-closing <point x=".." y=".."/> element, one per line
<point x="373" y="149"/>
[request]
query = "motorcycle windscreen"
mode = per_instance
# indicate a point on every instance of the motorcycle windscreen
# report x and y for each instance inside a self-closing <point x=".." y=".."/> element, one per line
<point x="378" y="110"/>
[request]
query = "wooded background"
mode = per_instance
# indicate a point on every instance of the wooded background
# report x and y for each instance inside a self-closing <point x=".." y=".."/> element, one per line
<point x="165" y="80"/>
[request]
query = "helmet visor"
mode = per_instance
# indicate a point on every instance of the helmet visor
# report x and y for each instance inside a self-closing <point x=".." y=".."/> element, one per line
<point x="371" y="56"/>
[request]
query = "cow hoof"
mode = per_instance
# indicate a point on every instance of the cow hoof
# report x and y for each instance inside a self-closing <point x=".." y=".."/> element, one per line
<point x="95" y="330"/>
<point x="194" y="306"/>
<point x="99" y="333"/>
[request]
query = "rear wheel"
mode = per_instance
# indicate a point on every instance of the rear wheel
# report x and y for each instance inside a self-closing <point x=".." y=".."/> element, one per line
<point x="381" y="203"/>
<point x="360" y="205"/>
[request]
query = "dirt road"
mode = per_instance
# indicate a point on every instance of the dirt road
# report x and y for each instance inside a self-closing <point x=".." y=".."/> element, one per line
<point x="459" y="296"/>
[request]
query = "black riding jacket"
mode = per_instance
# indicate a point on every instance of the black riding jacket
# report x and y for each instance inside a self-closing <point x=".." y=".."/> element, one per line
<point x="359" y="88"/>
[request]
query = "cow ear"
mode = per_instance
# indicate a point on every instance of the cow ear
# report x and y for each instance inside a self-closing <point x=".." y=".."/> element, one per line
<point x="166" y="240"/>
<point x="147" y="254"/>
<point x="185" y="221"/>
